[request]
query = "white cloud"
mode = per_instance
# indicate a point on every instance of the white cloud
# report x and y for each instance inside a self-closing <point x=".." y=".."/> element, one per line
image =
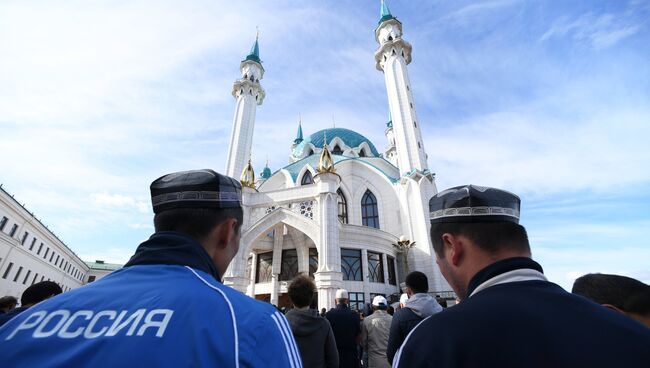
<point x="599" y="30"/>
<point x="528" y="153"/>
<point x="121" y="201"/>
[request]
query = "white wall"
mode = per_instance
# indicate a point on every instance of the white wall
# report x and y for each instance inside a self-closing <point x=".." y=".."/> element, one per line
<point x="42" y="256"/>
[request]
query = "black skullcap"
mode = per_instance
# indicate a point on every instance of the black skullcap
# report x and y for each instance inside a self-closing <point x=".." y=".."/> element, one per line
<point x="195" y="189"/>
<point x="472" y="203"/>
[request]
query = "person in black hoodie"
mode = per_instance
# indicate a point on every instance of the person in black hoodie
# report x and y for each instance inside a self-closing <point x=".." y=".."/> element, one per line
<point x="417" y="307"/>
<point x="312" y="332"/>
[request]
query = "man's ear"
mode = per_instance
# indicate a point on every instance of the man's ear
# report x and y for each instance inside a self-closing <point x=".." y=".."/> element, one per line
<point x="225" y="231"/>
<point x="453" y="248"/>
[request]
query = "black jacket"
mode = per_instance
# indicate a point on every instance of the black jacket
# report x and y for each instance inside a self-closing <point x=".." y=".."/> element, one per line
<point x="532" y="323"/>
<point x="346" y="325"/>
<point x="315" y="338"/>
<point x="418" y="307"/>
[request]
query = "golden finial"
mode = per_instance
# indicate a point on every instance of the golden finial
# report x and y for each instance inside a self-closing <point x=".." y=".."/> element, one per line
<point x="248" y="176"/>
<point x="326" y="163"/>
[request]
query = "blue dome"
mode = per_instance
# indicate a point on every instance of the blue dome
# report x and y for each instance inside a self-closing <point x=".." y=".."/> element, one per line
<point x="349" y="137"/>
<point x="266" y="173"/>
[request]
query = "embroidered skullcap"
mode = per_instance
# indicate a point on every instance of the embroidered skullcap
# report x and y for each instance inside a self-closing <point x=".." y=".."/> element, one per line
<point x="473" y="203"/>
<point x="195" y="189"/>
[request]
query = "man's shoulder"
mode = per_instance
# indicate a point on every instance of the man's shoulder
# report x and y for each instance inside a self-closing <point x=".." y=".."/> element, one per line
<point x="404" y="314"/>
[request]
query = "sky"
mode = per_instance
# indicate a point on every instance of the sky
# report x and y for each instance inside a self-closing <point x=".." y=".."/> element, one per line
<point x="547" y="99"/>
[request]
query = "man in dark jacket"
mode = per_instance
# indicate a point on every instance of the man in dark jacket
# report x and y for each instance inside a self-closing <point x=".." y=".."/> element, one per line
<point x="313" y="333"/>
<point x="417" y="307"/>
<point x="346" y="325"/>
<point x="510" y="315"/>
<point x="32" y="295"/>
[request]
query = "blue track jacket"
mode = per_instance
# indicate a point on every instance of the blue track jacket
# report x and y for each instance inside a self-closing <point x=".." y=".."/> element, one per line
<point x="152" y="315"/>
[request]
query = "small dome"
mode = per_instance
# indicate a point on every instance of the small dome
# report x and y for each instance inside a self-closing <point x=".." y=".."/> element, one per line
<point x="350" y="138"/>
<point x="266" y="173"/>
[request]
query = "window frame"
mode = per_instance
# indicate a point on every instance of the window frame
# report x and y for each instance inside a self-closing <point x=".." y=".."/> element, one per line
<point x="369" y="210"/>
<point x="375" y="264"/>
<point x="351" y="272"/>
<point x="307" y="178"/>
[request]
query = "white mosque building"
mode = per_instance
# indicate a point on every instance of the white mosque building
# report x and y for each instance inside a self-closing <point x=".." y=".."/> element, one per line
<point x="341" y="210"/>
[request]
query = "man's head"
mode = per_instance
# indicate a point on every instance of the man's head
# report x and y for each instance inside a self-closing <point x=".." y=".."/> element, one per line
<point x="7" y="303"/>
<point x="623" y="294"/>
<point x="301" y="291"/>
<point x="341" y="296"/>
<point x="39" y="292"/>
<point x="473" y="227"/>
<point x="379" y="302"/>
<point x="416" y="282"/>
<point x="204" y="205"/>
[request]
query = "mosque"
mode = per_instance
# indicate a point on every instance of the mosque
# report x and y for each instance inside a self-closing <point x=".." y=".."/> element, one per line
<point x="342" y="211"/>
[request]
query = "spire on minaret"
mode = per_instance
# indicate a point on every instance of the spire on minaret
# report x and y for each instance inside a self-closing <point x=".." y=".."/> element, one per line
<point x="299" y="134"/>
<point x="384" y="12"/>
<point x="254" y="55"/>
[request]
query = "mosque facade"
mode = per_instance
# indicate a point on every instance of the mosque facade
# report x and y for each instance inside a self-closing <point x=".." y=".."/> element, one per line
<point x="349" y="215"/>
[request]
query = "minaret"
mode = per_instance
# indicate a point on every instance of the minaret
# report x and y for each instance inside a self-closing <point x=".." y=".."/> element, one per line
<point x="392" y="57"/>
<point x="249" y="93"/>
<point x="417" y="184"/>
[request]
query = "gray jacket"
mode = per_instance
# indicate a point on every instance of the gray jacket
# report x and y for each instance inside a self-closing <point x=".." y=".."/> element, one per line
<point x="314" y="337"/>
<point x="374" y="338"/>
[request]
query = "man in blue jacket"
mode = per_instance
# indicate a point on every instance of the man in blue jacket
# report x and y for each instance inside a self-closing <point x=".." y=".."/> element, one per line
<point x="509" y="314"/>
<point x="166" y="307"/>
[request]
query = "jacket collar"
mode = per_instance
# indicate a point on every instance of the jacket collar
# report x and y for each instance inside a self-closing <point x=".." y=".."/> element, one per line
<point x="173" y="248"/>
<point x="504" y="266"/>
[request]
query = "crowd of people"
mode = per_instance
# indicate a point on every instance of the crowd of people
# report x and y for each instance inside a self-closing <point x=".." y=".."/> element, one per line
<point x="168" y="308"/>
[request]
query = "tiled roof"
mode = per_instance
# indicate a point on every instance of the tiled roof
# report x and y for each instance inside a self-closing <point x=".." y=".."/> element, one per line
<point x="349" y="137"/>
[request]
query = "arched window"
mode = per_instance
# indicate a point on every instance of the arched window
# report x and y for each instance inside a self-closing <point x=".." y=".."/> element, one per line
<point x="310" y="152"/>
<point x="343" y="207"/>
<point x="369" y="212"/>
<point x="337" y="150"/>
<point x="307" y="179"/>
<point x="362" y="153"/>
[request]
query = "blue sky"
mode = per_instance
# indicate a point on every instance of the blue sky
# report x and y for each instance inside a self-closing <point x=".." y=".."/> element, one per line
<point x="549" y="99"/>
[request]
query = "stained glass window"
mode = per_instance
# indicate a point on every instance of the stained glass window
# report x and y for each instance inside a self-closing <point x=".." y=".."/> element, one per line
<point x="264" y="267"/>
<point x="351" y="264"/>
<point x="369" y="212"/>
<point x="375" y="267"/>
